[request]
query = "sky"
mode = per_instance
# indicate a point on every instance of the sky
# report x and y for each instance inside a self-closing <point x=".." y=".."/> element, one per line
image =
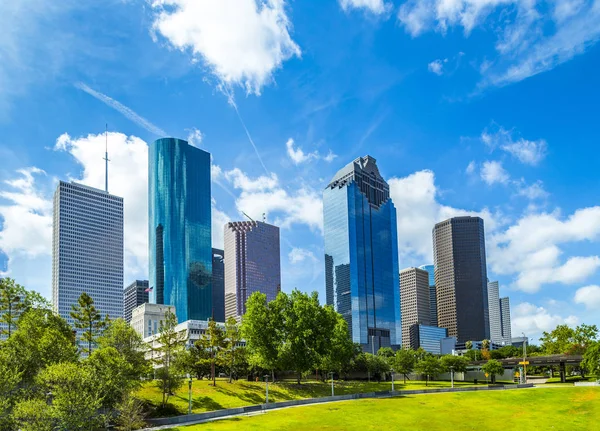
<point x="471" y="107"/>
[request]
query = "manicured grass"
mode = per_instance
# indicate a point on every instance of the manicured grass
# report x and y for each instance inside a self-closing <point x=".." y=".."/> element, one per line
<point x="225" y="395"/>
<point x="572" y="379"/>
<point x="528" y="409"/>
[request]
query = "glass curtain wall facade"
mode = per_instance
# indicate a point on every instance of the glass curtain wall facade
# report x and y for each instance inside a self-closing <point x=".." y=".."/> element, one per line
<point x="361" y="254"/>
<point x="427" y="337"/>
<point x="179" y="207"/>
<point x="505" y="318"/>
<point x="218" y="285"/>
<point x="134" y="295"/>
<point x="495" y="312"/>
<point x="432" y="295"/>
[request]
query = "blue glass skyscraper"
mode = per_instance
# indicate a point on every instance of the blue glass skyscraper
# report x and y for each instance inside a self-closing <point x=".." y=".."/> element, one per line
<point x="179" y="209"/>
<point x="361" y="254"/>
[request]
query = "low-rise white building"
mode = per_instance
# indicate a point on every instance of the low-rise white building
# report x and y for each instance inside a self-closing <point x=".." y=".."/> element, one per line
<point x="146" y="318"/>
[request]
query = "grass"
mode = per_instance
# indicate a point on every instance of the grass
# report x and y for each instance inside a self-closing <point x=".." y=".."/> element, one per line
<point x="528" y="409"/>
<point x="572" y="379"/>
<point x="225" y="395"/>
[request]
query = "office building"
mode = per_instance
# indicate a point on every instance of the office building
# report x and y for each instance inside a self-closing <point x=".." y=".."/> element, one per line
<point x="461" y="278"/>
<point x="432" y="295"/>
<point x="361" y="254"/>
<point x="147" y="318"/>
<point x="518" y="341"/>
<point x="414" y="301"/>
<point x="429" y="338"/>
<point x="179" y="217"/>
<point x="494" y="312"/>
<point x="218" y="285"/>
<point x="87" y="249"/>
<point x="505" y="320"/>
<point x="134" y="295"/>
<point x="252" y="264"/>
<point x="448" y="345"/>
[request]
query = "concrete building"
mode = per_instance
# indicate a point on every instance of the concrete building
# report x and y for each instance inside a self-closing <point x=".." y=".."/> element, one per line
<point x="179" y="231"/>
<point x="146" y="318"/>
<point x="495" y="312"/>
<point x="252" y="264"/>
<point x="414" y="302"/>
<point x="218" y="285"/>
<point x="87" y="249"/>
<point x="429" y="338"/>
<point x="461" y="278"/>
<point x="134" y="295"/>
<point x="505" y="321"/>
<point x="432" y="295"/>
<point x="361" y="254"/>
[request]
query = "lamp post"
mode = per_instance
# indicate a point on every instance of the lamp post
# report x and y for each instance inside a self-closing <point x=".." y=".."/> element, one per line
<point x="452" y="376"/>
<point x="393" y="371"/>
<point x="189" y="376"/>
<point x="332" y="394"/>
<point x="267" y="381"/>
<point x="524" y="357"/>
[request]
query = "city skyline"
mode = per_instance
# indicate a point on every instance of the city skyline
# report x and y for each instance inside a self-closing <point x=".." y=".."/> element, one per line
<point x="333" y="83"/>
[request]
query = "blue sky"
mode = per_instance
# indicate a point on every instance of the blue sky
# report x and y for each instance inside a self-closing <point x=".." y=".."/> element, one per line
<point x="469" y="106"/>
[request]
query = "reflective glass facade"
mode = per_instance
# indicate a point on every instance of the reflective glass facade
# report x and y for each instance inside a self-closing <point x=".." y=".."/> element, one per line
<point x="432" y="295"/>
<point x="179" y="208"/>
<point x="361" y="254"/>
<point x="428" y="337"/>
<point x="218" y="285"/>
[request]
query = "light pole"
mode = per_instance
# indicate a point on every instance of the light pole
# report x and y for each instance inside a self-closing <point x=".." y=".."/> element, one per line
<point x="524" y="357"/>
<point x="332" y="394"/>
<point x="267" y="380"/>
<point x="393" y="371"/>
<point x="189" y="376"/>
<point x="452" y="376"/>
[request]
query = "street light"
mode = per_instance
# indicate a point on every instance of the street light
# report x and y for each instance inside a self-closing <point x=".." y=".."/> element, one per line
<point x="189" y="376"/>
<point x="393" y="371"/>
<point x="267" y="380"/>
<point x="524" y="357"/>
<point x="332" y="394"/>
<point x="452" y="376"/>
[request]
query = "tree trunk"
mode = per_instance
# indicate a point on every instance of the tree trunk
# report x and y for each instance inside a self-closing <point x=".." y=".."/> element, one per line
<point x="212" y="367"/>
<point x="299" y="377"/>
<point x="405" y="379"/>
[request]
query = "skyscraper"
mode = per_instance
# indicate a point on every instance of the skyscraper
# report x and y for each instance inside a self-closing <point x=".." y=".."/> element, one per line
<point x="87" y="249"/>
<point x="361" y="254"/>
<point x="505" y="317"/>
<point x="414" y="302"/>
<point x="461" y="278"/>
<point x="432" y="295"/>
<point x="179" y="217"/>
<point x="252" y="264"/>
<point x="218" y="285"/>
<point x="134" y="295"/>
<point x="494" y="312"/>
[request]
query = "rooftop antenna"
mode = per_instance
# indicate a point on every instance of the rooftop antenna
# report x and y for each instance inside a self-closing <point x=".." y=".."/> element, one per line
<point x="264" y="218"/>
<point x="250" y="218"/>
<point x="106" y="160"/>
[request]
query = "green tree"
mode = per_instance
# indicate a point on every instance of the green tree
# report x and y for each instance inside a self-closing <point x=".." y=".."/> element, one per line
<point x="88" y="319"/>
<point x="429" y="367"/>
<point x="339" y="349"/>
<point x="404" y="362"/>
<point x="485" y="344"/>
<point x="34" y="415"/>
<point x="469" y="345"/>
<point x="386" y="352"/>
<point x="10" y="378"/>
<point x="262" y="330"/>
<point x="377" y="366"/>
<point x="233" y="337"/>
<point x="168" y="346"/>
<point x="128" y="344"/>
<point x="131" y="414"/>
<point x="493" y="368"/>
<point x="456" y="363"/>
<point x="75" y="396"/>
<point x="591" y="359"/>
<point x="114" y="376"/>
<point x="566" y="340"/>
<point x="213" y="341"/>
<point x="14" y="300"/>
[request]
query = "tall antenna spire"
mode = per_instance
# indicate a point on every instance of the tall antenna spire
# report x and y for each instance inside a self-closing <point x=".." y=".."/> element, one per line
<point x="106" y="160"/>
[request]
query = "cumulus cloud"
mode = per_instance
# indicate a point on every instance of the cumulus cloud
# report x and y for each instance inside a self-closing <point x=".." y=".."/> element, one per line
<point x="242" y="42"/>
<point x="297" y="255"/>
<point x="588" y="296"/>
<point x="437" y="67"/>
<point x="526" y="151"/>
<point x="377" y="7"/>
<point x="533" y="320"/>
<point x="195" y="137"/>
<point x="492" y="172"/>
<point x="297" y="155"/>
<point x="533" y="191"/>
<point x="529" y="42"/>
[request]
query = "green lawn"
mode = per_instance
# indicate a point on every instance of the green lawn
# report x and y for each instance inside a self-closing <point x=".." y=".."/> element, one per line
<point x="244" y="393"/>
<point x="566" y="409"/>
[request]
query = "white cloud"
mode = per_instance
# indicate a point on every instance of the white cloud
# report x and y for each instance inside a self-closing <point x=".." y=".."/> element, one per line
<point x="436" y="67"/>
<point x="219" y="220"/>
<point x="529" y="42"/>
<point x="471" y="167"/>
<point x="588" y="296"/>
<point x="242" y="42"/>
<point x="127" y="112"/>
<point x="297" y="255"/>
<point x="377" y="7"/>
<point x="526" y="151"/>
<point x="529" y="249"/>
<point x="493" y="172"/>
<point x="329" y="157"/>
<point x="297" y="155"/>
<point x="533" y="191"/>
<point x="417" y="211"/>
<point x="195" y="137"/>
<point x="533" y="320"/>
<point x="241" y="181"/>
